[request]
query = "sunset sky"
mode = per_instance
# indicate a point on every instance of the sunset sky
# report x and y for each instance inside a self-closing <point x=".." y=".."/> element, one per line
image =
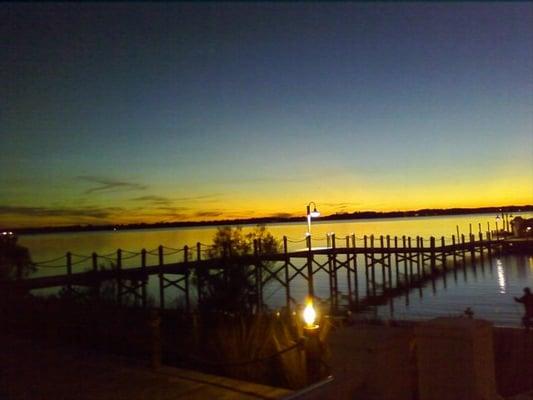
<point x="174" y="112"/>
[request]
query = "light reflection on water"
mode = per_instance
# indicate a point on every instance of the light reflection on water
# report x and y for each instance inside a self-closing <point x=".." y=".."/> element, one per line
<point x="501" y="276"/>
<point x="488" y="290"/>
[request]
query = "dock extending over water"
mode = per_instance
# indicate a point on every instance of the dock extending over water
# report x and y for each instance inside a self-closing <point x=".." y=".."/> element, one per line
<point x="391" y="265"/>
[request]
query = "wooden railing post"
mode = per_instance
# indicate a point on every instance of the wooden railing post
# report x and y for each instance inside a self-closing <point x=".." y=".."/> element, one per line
<point x="145" y="277"/>
<point x="310" y="284"/>
<point x="443" y="252"/>
<point x="348" y="271"/>
<point x="334" y="271"/>
<point x="420" y="257"/>
<point x="286" y="270"/>
<point x="198" y="272"/>
<point x="258" y="275"/>
<point x="119" y="276"/>
<point x="161" y="278"/>
<point x="463" y="248"/>
<point x="472" y="249"/>
<point x="96" y="282"/>
<point x="355" y="277"/>
<point x="383" y="266"/>
<point x="432" y="259"/>
<point x="389" y="260"/>
<point x="187" y="270"/>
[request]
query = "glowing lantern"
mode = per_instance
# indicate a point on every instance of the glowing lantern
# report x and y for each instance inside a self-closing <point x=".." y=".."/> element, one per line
<point x="309" y="314"/>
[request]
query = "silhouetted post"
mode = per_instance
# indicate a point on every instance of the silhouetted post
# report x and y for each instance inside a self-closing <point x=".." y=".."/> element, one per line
<point x="287" y="279"/>
<point x="334" y="270"/>
<point x="69" y="273"/>
<point x="397" y="266"/>
<point x="198" y="272"/>
<point x="443" y="249"/>
<point x="373" y="272"/>
<point x="145" y="277"/>
<point x="310" y="285"/>
<point x="473" y="248"/>
<point x="432" y="260"/>
<point x="313" y="353"/>
<point x="187" y="269"/>
<point x="367" y="277"/>
<point x="355" y="277"/>
<point x="463" y="246"/>
<point x="405" y="271"/>
<point x="383" y="275"/>
<point x="410" y="260"/>
<point x="457" y="229"/>
<point x="489" y="244"/>
<point x="481" y="246"/>
<point x="419" y="253"/>
<point x="454" y="247"/>
<point x="479" y="227"/>
<point x="389" y="260"/>
<point x="348" y="272"/>
<point x="96" y="282"/>
<point x="119" y="276"/>
<point x="497" y="234"/>
<point x="470" y="229"/>
<point x="161" y="278"/>
<point x="444" y="262"/>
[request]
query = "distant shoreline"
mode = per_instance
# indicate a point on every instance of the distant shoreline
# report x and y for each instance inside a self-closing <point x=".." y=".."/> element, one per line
<point x="277" y="220"/>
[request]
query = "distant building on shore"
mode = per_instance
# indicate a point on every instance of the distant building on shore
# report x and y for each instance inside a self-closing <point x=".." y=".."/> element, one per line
<point x="522" y="227"/>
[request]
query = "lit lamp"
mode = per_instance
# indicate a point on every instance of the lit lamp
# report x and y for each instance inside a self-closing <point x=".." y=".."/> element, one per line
<point x="312" y="345"/>
<point x="310" y="316"/>
<point x="311" y="214"/>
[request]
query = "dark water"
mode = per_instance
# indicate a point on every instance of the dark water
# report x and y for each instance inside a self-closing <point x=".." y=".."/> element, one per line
<point x="488" y="290"/>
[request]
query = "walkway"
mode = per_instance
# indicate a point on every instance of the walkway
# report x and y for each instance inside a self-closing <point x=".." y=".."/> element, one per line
<point x="33" y="371"/>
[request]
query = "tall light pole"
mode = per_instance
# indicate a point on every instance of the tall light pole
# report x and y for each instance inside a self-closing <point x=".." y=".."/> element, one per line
<point x="311" y="214"/>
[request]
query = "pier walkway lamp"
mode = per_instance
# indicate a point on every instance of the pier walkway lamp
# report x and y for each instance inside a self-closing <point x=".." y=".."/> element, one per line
<point x="311" y="214"/>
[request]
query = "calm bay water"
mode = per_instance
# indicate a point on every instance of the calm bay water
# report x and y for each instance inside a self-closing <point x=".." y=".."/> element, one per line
<point x="487" y="289"/>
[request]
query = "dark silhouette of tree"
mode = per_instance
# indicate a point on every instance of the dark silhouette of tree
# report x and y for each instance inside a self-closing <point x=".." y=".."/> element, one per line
<point x="15" y="260"/>
<point x="233" y="289"/>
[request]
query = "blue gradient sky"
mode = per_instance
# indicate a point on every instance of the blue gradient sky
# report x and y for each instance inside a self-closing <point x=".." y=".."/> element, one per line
<point x="164" y="112"/>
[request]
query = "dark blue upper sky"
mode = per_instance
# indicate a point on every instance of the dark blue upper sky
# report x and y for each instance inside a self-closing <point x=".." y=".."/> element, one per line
<point x="244" y="109"/>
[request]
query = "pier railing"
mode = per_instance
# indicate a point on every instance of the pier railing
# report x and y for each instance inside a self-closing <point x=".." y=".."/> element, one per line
<point x="390" y="264"/>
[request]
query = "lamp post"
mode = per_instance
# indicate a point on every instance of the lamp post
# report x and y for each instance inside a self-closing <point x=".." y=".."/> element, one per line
<point x="312" y="345"/>
<point x="311" y="214"/>
<point x="497" y="219"/>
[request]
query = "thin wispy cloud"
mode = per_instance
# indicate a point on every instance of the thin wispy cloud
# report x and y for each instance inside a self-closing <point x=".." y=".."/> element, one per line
<point x="208" y="214"/>
<point x="92" y="212"/>
<point x="109" y="185"/>
<point x="161" y="200"/>
<point x="156" y="200"/>
<point x="198" y="198"/>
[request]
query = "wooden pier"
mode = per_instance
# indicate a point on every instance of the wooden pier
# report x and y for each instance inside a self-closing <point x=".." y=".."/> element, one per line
<point x="391" y="265"/>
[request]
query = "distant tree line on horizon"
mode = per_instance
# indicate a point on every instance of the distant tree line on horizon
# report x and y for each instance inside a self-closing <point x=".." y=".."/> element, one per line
<point x="426" y="212"/>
